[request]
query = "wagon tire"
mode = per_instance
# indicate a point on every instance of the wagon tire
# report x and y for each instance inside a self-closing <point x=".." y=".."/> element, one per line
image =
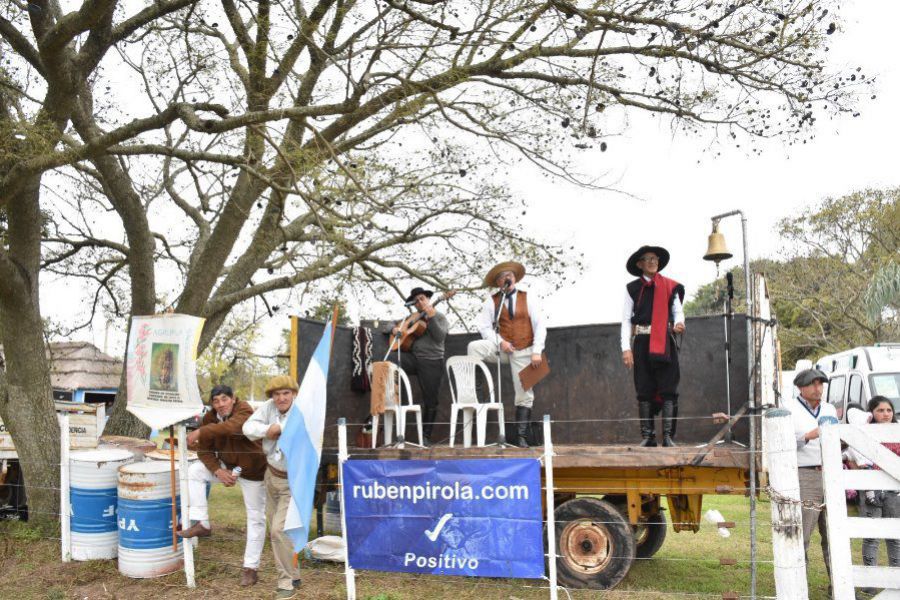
<point x="595" y="545"/>
<point x="649" y="536"/>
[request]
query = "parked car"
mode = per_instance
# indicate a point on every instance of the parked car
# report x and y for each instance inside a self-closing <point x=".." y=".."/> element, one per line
<point x="855" y="376"/>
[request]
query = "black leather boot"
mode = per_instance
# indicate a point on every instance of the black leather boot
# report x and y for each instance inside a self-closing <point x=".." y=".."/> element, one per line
<point x="648" y="435"/>
<point x="668" y="423"/>
<point x="523" y="422"/>
<point x="428" y="424"/>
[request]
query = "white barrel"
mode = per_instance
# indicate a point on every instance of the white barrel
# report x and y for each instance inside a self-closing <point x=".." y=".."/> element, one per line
<point x="93" y="496"/>
<point x="145" y="520"/>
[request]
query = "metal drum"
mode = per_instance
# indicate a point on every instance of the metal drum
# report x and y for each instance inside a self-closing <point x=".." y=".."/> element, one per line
<point x="145" y="520"/>
<point x="93" y="497"/>
<point x="332" y="519"/>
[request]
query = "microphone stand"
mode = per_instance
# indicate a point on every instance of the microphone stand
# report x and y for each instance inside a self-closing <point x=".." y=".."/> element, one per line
<point x="728" y="315"/>
<point x="503" y="296"/>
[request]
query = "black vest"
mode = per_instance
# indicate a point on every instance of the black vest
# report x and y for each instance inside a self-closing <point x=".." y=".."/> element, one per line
<point x="642" y="312"/>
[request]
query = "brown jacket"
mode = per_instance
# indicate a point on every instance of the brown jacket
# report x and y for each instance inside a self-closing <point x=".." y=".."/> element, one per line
<point x="223" y="441"/>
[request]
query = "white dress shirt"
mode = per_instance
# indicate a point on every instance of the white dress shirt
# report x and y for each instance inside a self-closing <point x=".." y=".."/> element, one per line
<point x="257" y="425"/>
<point x="628" y="306"/>
<point x="485" y="322"/>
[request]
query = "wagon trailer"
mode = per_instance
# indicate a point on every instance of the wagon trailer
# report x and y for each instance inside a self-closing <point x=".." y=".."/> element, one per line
<point x="610" y="495"/>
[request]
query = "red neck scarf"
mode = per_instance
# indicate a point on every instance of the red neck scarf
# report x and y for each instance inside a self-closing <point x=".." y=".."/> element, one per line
<point x="659" y="321"/>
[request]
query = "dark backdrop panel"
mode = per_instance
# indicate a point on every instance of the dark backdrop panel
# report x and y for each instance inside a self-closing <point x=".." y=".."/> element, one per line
<point x="589" y="393"/>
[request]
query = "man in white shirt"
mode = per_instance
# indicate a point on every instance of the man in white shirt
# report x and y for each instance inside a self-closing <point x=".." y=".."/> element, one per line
<point x="266" y="424"/>
<point x="806" y="411"/>
<point x="652" y="312"/>
<point x="519" y="334"/>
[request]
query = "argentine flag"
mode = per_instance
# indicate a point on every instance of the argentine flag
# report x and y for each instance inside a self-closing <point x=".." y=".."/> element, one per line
<point x="301" y="441"/>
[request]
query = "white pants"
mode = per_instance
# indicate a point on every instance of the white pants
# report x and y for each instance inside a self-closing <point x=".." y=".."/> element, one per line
<point x="254" y="493"/>
<point x="486" y="350"/>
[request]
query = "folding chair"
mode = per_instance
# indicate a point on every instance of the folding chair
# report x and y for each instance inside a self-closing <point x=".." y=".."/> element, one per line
<point x="461" y="371"/>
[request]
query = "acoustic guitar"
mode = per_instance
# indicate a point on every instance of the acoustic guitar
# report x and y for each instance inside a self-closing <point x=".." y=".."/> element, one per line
<point x="414" y="326"/>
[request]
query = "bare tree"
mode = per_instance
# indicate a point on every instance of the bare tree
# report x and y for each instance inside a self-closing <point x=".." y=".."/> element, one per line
<point x="56" y="55"/>
<point x="292" y="142"/>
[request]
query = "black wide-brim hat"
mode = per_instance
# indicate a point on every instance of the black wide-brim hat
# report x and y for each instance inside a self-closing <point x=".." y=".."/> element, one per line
<point x="631" y="264"/>
<point x="416" y="291"/>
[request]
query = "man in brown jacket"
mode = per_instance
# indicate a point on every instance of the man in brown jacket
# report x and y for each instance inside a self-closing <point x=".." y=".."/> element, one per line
<point x="227" y="457"/>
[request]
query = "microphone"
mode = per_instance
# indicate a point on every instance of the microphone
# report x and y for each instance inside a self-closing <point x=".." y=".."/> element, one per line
<point x="409" y="303"/>
<point x="729" y="277"/>
<point x="506" y="284"/>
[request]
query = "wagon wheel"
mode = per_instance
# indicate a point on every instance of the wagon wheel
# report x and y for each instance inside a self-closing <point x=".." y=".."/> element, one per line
<point x="649" y="536"/>
<point x="594" y="544"/>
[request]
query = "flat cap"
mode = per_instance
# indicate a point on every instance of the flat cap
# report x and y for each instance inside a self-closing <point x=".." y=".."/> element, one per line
<point x="806" y="377"/>
<point x="281" y="382"/>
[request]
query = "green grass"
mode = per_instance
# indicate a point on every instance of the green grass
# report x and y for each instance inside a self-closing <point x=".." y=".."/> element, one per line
<point x="688" y="563"/>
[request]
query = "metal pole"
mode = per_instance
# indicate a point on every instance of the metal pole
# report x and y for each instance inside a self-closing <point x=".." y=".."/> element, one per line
<point x="65" y="505"/>
<point x="751" y="357"/>
<point x="349" y="573"/>
<point x="187" y="546"/>
<point x="551" y="520"/>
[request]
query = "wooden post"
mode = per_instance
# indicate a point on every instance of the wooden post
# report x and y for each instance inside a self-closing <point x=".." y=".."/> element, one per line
<point x="65" y="505"/>
<point x="187" y="546"/>
<point x="836" y="512"/>
<point x="349" y="573"/>
<point x="551" y="507"/>
<point x="787" y="522"/>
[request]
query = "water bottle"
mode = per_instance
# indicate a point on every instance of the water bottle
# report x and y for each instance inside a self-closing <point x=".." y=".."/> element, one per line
<point x="236" y="471"/>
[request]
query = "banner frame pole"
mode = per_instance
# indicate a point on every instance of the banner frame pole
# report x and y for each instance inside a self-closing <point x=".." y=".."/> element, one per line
<point x="349" y="573"/>
<point x="551" y="508"/>
<point x="64" y="496"/>
<point x="187" y="546"/>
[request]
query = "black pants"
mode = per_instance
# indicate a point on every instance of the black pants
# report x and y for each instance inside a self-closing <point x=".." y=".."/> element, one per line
<point x="652" y="377"/>
<point x="430" y="374"/>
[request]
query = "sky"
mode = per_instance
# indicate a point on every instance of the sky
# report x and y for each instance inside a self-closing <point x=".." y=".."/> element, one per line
<point x="669" y="188"/>
<point x="680" y="187"/>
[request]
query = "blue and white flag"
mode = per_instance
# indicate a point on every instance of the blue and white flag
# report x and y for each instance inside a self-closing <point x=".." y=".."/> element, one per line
<point x="301" y="441"/>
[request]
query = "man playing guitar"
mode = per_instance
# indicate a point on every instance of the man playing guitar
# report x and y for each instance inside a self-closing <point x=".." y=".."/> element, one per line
<point x="425" y="358"/>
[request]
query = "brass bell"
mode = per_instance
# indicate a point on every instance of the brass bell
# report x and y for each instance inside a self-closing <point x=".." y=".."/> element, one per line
<point x="716" y="250"/>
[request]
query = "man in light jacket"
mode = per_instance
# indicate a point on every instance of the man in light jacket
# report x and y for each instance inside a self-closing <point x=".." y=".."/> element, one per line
<point x="266" y="425"/>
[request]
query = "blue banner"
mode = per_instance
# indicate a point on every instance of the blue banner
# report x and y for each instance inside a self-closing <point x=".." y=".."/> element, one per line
<point x="479" y="518"/>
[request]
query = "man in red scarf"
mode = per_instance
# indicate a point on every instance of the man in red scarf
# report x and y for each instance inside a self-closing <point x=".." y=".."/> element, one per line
<point x="652" y="313"/>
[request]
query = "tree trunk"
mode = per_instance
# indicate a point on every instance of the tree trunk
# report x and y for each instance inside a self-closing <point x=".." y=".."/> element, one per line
<point x="27" y="407"/>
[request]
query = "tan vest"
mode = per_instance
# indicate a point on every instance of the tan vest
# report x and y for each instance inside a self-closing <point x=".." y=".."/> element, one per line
<point x="518" y="330"/>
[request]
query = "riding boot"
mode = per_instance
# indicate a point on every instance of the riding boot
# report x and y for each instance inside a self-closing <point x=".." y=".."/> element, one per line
<point x="430" y="413"/>
<point x="648" y="435"/>
<point x="668" y="423"/>
<point x="523" y="421"/>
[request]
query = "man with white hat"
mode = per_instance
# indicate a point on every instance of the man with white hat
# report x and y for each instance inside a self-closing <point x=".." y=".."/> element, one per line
<point x="520" y="333"/>
<point x="266" y="424"/>
<point x="651" y="314"/>
<point x="807" y="411"/>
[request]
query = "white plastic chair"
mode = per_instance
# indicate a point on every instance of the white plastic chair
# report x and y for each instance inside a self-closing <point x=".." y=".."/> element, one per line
<point x="394" y="407"/>
<point x="461" y="371"/>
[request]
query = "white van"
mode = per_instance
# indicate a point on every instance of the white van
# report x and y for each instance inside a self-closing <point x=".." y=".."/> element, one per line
<point x="855" y="376"/>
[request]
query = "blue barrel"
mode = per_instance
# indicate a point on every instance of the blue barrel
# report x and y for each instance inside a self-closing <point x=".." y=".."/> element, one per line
<point x="145" y="520"/>
<point x="93" y="497"/>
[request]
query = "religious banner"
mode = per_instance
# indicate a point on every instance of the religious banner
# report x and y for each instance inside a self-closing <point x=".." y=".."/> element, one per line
<point x="479" y="517"/>
<point x="162" y="369"/>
